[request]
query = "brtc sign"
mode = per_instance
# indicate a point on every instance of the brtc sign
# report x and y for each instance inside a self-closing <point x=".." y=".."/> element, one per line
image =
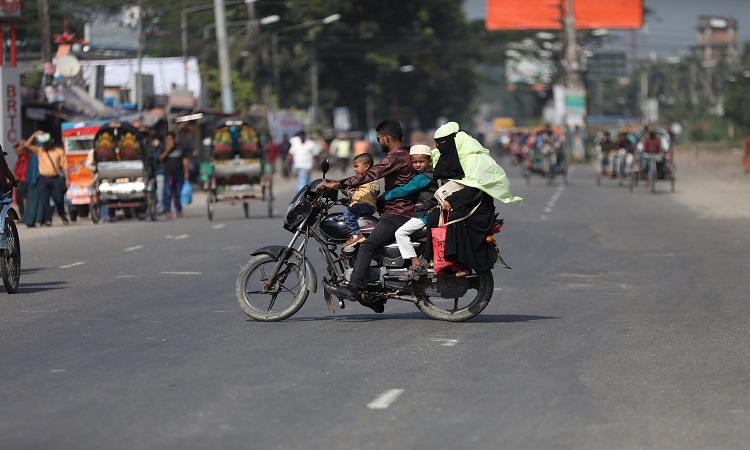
<point x="10" y="99"/>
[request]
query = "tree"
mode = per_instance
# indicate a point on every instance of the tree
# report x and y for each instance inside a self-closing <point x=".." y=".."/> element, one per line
<point x="243" y="89"/>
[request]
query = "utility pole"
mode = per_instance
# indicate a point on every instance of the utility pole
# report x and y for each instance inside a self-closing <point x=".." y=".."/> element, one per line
<point x="139" y="75"/>
<point x="44" y="30"/>
<point x="572" y="66"/>
<point x="227" y="101"/>
<point x="253" y="32"/>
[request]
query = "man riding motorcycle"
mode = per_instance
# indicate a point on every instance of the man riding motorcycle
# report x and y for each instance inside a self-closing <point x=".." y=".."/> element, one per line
<point x="396" y="169"/>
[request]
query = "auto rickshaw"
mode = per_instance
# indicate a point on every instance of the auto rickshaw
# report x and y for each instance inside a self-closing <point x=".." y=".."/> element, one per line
<point x="121" y="175"/>
<point x="238" y="167"/>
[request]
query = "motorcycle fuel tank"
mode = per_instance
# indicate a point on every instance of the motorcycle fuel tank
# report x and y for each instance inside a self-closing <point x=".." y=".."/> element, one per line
<point x="334" y="227"/>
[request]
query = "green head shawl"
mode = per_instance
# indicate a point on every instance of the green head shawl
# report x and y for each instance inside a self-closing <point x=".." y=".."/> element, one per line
<point x="480" y="170"/>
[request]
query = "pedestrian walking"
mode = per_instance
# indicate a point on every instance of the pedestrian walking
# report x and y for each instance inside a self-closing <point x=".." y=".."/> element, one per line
<point x="272" y="155"/>
<point x="303" y="153"/>
<point x="341" y="149"/>
<point x="19" y="170"/>
<point x="156" y="148"/>
<point x="284" y="147"/>
<point x="176" y="171"/>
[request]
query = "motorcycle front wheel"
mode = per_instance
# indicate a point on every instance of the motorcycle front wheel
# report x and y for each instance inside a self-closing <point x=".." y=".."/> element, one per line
<point x="10" y="266"/>
<point x="276" y="302"/>
<point x="462" y="308"/>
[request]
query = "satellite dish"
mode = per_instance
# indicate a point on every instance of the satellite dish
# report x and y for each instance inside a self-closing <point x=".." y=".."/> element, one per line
<point x="68" y="66"/>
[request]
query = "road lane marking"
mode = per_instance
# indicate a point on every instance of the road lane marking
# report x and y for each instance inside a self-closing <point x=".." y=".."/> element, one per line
<point x="384" y="400"/>
<point x="181" y="273"/>
<point x="57" y="370"/>
<point x="218" y="226"/>
<point x="79" y="263"/>
<point x="445" y="342"/>
<point x="126" y="276"/>
<point x="135" y="247"/>
<point x="182" y="236"/>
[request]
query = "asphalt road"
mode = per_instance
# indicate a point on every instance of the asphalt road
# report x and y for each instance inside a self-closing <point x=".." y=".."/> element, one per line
<point x="622" y="325"/>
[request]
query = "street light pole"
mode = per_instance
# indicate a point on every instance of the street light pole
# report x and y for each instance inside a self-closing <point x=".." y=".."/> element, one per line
<point x="227" y="101"/>
<point x="183" y="29"/>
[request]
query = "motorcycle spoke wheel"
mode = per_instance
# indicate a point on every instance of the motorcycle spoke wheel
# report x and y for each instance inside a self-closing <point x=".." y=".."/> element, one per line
<point x="10" y="266"/>
<point x="473" y="302"/>
<point x="281" y="300"/>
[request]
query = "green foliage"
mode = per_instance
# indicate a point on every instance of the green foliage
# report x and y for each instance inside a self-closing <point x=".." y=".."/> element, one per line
<point x="737" y="98"/>
<point x="32" y="78"/>
<point x="243" y="90"/>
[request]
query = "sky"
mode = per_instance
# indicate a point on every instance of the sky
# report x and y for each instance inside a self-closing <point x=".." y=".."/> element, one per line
<point x="670" y="30"/>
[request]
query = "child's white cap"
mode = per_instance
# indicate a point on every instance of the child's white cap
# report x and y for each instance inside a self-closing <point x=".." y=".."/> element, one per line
<point x="420" y="149"/>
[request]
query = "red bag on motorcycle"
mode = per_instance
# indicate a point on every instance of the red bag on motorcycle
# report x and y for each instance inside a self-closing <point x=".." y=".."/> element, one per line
<point x="438" y="247"/>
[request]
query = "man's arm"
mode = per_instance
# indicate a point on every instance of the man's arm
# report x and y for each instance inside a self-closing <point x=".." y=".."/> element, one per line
<point x="388" y="165"/>
<point x="63" y="162"/>
<point x="186" y="166"/>
<point x="165" y="153"/>
<point x="414" y="185"/>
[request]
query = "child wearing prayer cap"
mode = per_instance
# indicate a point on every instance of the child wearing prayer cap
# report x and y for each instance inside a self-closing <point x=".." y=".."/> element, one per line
<point x="424" y="186"/>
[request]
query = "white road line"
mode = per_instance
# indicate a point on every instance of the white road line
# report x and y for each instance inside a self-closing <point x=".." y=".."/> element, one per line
<point x="79" y="263"/>
<point x="218" y="226"/>
<point x="182" y="236"/>
<point x="126" y="276"/>
<point x="57" y="370"/>
<point x="181" y="273"/>
<point x="135" y="247"/>
<point x="385" y="399"/>
<point x="548" y="210"/>
<point x="445" y="342"/>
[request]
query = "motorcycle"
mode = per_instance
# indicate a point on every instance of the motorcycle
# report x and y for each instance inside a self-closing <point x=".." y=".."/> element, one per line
<point x="276" y="281"/>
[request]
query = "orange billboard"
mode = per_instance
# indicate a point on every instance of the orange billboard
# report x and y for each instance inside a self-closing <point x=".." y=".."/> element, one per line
<point x="547" y="14"/>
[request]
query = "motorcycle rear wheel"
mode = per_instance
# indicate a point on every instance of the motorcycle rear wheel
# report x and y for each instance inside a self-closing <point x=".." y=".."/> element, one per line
<point x="463" y="308"/>
<point x="279" y="302"/>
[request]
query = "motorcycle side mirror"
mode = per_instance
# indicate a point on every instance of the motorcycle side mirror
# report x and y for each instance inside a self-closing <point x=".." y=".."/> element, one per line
<point x="325" y="166"/>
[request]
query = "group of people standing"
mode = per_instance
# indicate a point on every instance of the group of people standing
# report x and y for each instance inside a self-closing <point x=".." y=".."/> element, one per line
<point x="411" y="176"/>
<point x="41" y="170"/>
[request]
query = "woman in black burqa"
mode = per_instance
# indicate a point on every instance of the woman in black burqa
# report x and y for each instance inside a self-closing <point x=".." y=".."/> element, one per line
<point x="463" y="159"/>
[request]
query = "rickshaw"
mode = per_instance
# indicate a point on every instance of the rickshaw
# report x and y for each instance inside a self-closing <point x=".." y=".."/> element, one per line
<point x="238" y="167"/>
<point x="621" y="163"/>
<point x="78" y="141"/>
<point x="543" y="160"/>
<point x="121" y="175"/>
<point x="10" y="245"/>
<point x="659" y="166"/>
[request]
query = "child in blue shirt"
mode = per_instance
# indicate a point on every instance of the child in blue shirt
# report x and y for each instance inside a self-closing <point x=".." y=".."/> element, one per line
<point x="423" y="185"/>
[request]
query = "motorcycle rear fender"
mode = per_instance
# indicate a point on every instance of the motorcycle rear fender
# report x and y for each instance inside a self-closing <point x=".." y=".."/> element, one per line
<point x="277" y="250"/>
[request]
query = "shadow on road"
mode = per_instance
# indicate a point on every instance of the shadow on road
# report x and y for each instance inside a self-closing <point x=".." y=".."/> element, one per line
<point x="31" y="288"/>
<point x="368" y="317"/>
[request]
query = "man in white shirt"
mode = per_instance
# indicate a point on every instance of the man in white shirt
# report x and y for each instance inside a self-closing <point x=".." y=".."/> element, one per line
<point x="304" y="153"/>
